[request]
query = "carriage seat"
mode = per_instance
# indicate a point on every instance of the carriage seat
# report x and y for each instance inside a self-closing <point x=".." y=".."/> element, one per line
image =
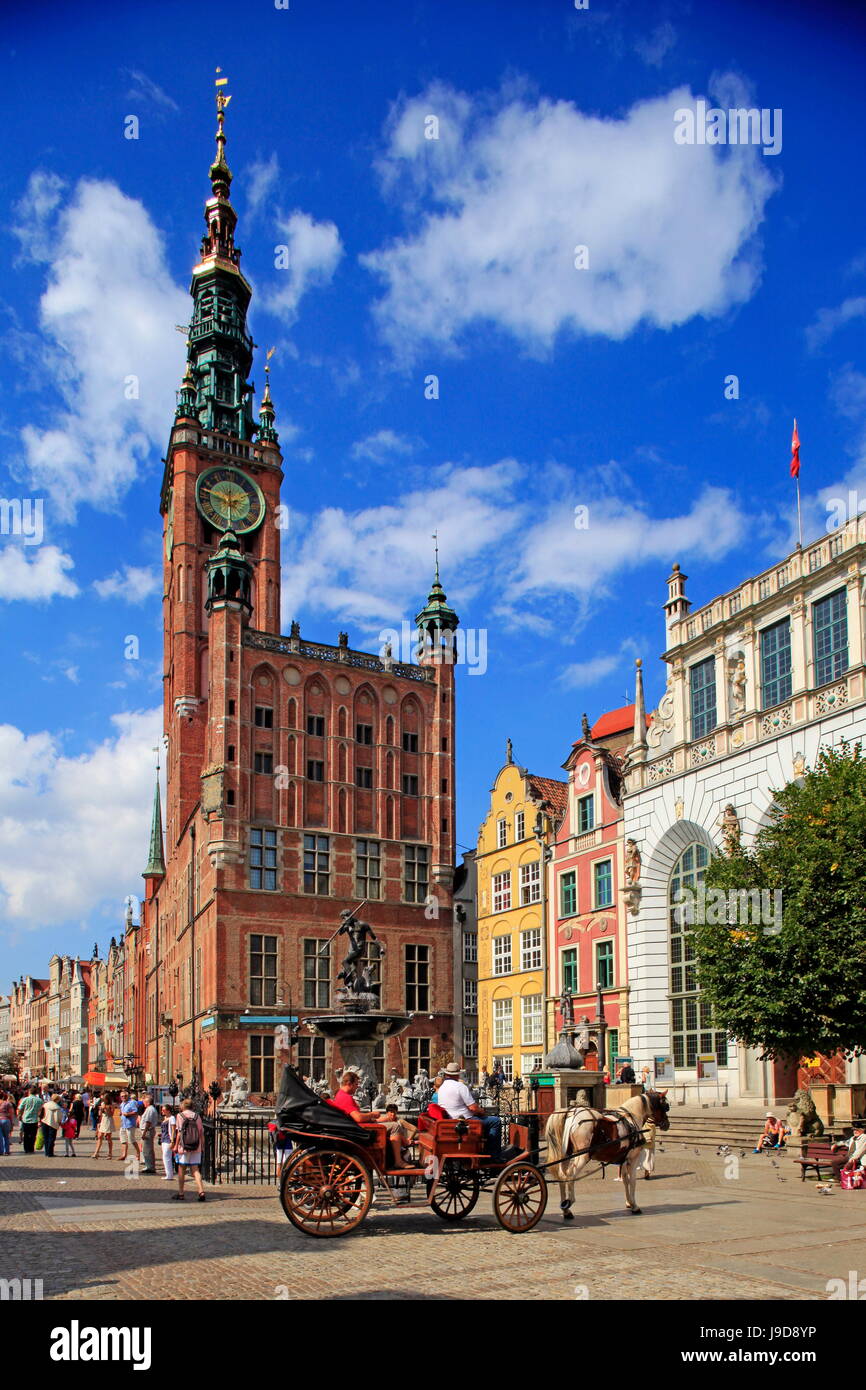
<point x="449" y="1137"/>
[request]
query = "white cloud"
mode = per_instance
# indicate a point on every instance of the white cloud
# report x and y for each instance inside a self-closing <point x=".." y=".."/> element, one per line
<point x="828" y="321"/>
<point x="261" y="181"/>
<point x="382" y="445"/>
<point x="38" y="572"/>
<point x="107" y="316"/>
<point x="670" y="228"/>
<point x="558" y="559"/>
<point x="143" y="87"/>
<point x="518" y="560"/>
<point x="367" y="566"/>
<point x="596" y="668"/>
<point x="73" y="830"/>
<point x="314" y="251"/>
<point x="657" y="44"/>
<point x="33" y="214"/>
<point x="134" y="583"/>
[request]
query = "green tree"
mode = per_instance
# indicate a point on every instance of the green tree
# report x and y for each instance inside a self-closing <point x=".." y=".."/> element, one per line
<point x="797" y="985"/>
<point x="9" y="1063"/>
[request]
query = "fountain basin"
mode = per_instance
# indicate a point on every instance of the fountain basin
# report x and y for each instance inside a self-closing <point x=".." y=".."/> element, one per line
<point x="359" y="1027"/>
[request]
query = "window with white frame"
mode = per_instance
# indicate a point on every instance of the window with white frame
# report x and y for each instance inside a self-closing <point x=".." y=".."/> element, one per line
<point x="503" y="1023"/>
<point x="501" y="833"/>
<point x="470" y="996"/>
<point x="531" y="1020"/>
<point x="530" y="883"/>
<point x="506" y="1065"/>
<point x="530" y="949"/>
<point x="470" y="1042"/>
<point x="502" y="955"/>
<point x="531" y="1061"/>
<point x="470" y="947"/>
<point x="502" y="891"/>
<point x="519" y="826"/>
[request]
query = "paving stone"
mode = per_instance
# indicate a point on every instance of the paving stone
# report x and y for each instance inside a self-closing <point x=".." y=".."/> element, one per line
<point x="89" y="1232"/>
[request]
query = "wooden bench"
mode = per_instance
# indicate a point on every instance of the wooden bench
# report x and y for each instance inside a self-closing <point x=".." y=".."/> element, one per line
<point x="818" y="1154"/>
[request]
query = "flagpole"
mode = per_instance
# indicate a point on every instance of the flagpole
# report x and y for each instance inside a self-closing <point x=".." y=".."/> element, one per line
<point x="799" y="514"/>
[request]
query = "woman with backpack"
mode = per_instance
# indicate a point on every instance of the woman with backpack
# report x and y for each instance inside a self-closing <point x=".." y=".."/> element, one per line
<point x="187" y="1145"/>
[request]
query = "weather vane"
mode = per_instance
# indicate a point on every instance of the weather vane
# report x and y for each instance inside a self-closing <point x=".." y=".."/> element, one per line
<point x="268" y="355"/>
<point x="156" y="751"/>
<point x="222" y="98"/>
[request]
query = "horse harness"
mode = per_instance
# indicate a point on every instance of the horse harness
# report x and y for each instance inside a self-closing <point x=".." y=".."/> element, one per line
<point x="607" y="1145"/>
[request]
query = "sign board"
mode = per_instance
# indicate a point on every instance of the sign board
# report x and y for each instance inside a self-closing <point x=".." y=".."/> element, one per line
<point x="708" y="1067"/>
<point x="663" y="1071"/>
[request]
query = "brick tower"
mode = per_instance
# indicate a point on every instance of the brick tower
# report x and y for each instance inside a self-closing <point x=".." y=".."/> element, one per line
<point x="301" y="777"/>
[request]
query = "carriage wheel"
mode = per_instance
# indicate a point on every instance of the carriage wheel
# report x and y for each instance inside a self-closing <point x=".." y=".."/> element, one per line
<point x="519" y="1197"/>
<point x="456" y="1192"/>
<point x="326" y="1192"/>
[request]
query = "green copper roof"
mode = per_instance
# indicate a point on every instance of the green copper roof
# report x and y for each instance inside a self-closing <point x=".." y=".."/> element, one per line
<point x="156" y="857"/>
<point x="437" y="609"/>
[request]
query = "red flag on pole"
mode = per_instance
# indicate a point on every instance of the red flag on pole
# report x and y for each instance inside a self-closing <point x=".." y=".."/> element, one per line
<point x="795" y="453"/>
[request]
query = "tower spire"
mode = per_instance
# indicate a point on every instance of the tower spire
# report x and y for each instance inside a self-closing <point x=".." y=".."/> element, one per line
<point x="637" y="751"/>
<point x="220" y="173"/>
<point x="156" y="856"/>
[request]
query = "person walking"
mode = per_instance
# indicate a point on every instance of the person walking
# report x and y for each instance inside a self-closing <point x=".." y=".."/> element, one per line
<point x="128" y="1126"/>
<point x="188" y="1141"/>
<point x="78" y="1111"/>
<point x="50" y="1120"/>
<point x="68" y="1129"/>
<point x="29" y="1108"/>
<point x="149" y="1129"/>
<point x="166" y="1139"/>
<point x="7" y="1123"/>
<point x="106" y="1127"/>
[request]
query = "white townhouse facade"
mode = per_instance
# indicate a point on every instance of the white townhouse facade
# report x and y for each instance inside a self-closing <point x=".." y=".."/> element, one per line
<point x="759" y="680"/>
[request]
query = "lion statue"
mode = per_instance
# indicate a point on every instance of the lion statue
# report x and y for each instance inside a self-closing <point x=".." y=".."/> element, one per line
<point x="802" y="1117"/>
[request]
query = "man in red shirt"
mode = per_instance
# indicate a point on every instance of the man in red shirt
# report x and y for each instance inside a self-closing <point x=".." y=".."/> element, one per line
<point x="345" y="1100"/>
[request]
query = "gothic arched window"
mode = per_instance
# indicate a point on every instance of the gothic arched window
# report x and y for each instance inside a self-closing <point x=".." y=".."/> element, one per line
<point x="692" y="1029"/>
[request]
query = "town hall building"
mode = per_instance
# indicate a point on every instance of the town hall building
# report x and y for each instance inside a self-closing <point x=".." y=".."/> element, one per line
<point x="302" y="777"/>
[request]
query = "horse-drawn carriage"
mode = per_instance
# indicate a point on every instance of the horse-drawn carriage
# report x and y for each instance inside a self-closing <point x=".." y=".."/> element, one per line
<point x="326" y="1187"/>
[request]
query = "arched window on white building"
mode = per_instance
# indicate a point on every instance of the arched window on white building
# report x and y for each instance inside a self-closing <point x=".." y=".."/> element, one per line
<point x="692" y="1031"/>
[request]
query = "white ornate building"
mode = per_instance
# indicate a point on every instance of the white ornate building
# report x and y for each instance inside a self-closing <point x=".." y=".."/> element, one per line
<point x="758" y="680"/>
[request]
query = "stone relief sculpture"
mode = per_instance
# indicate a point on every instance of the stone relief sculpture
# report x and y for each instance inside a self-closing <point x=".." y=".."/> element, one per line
<point x="730" y="823"/>
<point x="663" y="717"/>
<point x="738" y="687"/>
<point x="632" y="862"/>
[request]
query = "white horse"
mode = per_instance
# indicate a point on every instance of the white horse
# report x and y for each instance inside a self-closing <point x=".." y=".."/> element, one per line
<point x="579" y="1136"/>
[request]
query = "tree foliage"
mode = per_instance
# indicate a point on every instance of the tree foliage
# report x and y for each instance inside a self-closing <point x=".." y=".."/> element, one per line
<point x="798" y="985"/>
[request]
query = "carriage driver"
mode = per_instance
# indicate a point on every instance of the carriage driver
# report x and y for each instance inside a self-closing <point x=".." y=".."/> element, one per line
<point x="459" y="1103"/>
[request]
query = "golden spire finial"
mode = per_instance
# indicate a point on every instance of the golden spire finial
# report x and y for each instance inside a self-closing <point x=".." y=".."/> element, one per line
<point x="222" y="101"/>
<point x="266" y="398"/>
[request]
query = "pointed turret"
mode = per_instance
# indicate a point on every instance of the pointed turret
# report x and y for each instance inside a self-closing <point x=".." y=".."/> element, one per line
<point x="437" y="616"/>
<point x="156" y="856"/>
<point x="216" y="390"/>
<point x="267" y="414"/>
<point x="637" y="749"/>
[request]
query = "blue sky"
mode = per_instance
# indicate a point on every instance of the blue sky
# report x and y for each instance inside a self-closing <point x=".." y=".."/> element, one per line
<point x="559" y="386"/>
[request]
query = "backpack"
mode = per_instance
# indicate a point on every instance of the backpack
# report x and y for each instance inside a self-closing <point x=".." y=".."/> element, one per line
<point x="189" y="1138"/>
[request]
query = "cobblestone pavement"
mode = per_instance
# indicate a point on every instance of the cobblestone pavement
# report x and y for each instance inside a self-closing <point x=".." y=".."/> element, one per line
<point x="90" y="1233"/>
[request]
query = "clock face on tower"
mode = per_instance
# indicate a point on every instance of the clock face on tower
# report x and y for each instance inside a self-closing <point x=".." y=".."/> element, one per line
<point x="229" y="500"/>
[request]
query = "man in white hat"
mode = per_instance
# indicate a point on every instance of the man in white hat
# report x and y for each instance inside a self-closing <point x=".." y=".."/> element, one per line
<point x="458" y="1101"/>
<point x="772" y="1135"/>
